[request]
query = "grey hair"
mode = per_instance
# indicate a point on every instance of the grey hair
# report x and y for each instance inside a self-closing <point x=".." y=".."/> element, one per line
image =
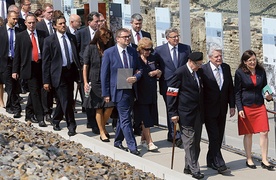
<point x="12" y="8"/>
<point x="137" y="17"/>
<point x="213" y="47"/>
<point x="168" y="31"/>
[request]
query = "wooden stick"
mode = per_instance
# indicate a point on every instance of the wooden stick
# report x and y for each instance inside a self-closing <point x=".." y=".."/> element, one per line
<point x="174" y="134"/>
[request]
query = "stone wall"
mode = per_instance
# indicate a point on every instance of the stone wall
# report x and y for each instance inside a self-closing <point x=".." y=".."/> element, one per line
<point x="228" y="8"/>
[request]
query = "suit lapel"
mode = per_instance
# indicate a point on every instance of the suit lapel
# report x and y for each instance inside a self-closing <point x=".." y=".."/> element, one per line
<point x="117" y="59"/>
<point x="169" y="59"/>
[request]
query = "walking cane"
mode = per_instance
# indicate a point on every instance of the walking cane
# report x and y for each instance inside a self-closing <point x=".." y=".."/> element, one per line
<point x="174" y="134"/>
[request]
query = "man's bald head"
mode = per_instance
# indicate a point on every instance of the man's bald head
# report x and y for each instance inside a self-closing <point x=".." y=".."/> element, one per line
<point x="75" y="21"/>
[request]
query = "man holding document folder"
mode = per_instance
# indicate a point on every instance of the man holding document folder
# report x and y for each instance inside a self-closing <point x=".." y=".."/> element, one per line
<point x="119" y="73"/>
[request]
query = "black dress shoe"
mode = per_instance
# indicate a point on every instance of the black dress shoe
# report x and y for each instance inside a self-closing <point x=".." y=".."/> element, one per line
<point x="95" y="131"/>
<point x="104" y="140"/>
<point x="198" y="175"/>
<point x="32" y="119"/>
<point x="269" y="167"/>
<point x="9" y="111"/>
<point x="42" y="124"/>
<point x="56" y="127"/>
<point x="48" y="117"/>
<point x="71" y="133"/>
<point x="253" y="166"/>
<point x="17" y="115"/>
<point x="122" y="148"/>
<point x="222" y="169"/>
<point x="135" y="152"/>
<point x="187" y="171"/>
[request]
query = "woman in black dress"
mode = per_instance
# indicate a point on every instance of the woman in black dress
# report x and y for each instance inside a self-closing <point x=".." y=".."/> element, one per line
<point x="145" y="107"/>
<point x="92" y="59"/>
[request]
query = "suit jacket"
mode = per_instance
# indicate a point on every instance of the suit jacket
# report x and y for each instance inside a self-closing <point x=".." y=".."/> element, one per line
<point x="111" y="61"/>
<point x="83" y="39"/>
<point x="52" y="60"/>
<point x="246" y="93"/>
<point x="189" y="101"/>
<point x="43" y="27"/>
<point x="144" y="34"/>
<point x="9" y="2"/>
<point x="22" y="63"/>
<point x="166" y="64"/>
<point x="4" y="47"/>
<point x="216" y="100"/>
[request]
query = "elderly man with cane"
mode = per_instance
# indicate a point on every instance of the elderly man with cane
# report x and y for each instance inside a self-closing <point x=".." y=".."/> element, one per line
<point x="185" y="105"/>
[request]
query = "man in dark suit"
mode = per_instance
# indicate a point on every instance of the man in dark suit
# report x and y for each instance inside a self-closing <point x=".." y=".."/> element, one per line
<point x="7" y="36"/>
<point x="84" y="37"/>
<point x="218" y="94"/>
<point x="28" y="66"/>
<point x="172" y="55"/>
<point x="25" y="8"/>
<point x="46" y="26"/>
<point x="60" y="67"/>
<point x="114" y="58"/>
<point x="20" y="22"/>
<point x="74" y="24"/>
<point x="136" y="29"/>
<point x="185" y="106"/>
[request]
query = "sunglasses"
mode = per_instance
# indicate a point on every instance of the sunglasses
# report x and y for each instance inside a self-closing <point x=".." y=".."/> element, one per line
<point x="147" y="49"/>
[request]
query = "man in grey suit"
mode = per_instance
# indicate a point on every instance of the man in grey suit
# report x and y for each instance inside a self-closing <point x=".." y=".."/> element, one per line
<point x="172" y="55"/>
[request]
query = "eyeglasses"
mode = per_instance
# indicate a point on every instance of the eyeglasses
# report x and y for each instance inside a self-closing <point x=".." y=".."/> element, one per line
<point x="125" y="37"/>
<point x="102" y="20"/>
<point x="198" y="64"/>
<point x="174" y="37"/>
<point x="147" y="49"/>
<point x="27" y="4"/>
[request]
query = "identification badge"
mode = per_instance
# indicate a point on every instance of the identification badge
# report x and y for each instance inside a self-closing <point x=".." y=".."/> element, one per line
<point x="172" y="91"/>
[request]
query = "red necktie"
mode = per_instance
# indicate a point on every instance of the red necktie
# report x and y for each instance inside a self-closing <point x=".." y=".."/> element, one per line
<point x="138" y="37"/>
<point x="35" y="48"/>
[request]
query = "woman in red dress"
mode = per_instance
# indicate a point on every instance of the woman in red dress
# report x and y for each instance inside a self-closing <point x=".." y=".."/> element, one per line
<point x="250" y="79"/>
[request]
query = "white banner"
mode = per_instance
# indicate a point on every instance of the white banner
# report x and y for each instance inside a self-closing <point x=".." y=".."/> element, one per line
<point x="163" y="22"/>
<point x="214" y="29"/>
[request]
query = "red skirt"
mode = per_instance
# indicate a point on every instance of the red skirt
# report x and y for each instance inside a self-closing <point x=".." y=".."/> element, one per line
<point x="255" y="121"/>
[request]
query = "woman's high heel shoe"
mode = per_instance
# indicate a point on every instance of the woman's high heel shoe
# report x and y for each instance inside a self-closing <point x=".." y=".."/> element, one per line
<point x="269" y="167"/>
<point x="104" y="140"/>
<point x="253" y="166"/>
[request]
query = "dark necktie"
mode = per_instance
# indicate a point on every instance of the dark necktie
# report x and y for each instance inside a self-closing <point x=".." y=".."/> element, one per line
<point x="125" y="59"/>
<point x="51" y="28"/>
<point x="175" y="61"/>
<point x="11" y="43"/>
<point x="35" y="48"/>
<point x="138" y="36"/>
<point x="66" y="52"/>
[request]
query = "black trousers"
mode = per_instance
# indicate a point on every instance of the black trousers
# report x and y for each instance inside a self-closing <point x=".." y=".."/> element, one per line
<point x="65" y="99"/>
<point x="34" y="104"/>
<point x="215" y="127"/>
<point x="12" y="87"/>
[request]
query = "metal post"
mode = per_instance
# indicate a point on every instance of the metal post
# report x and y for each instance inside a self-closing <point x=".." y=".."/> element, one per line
<point x="244" y="25"/>
<point x="93" y="5"/>
<point x="135" y="6"/>
<point x="185" y="24"/>
<point x="58" y="5"/>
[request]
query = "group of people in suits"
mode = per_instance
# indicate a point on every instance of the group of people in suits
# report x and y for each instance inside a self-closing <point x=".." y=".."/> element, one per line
<point x="57" y="56"/>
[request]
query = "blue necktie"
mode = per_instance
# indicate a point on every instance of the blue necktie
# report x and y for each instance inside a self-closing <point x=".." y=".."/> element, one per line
<point x="11" y="43"/>
<point x="66" y="52"/>
<point x="125" y="59"/>
<point x="175" y="61"/>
